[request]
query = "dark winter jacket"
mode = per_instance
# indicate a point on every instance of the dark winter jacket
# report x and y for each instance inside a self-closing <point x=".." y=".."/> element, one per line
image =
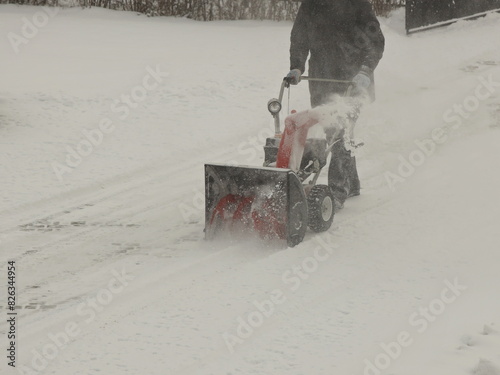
<point x="341" y="36"/>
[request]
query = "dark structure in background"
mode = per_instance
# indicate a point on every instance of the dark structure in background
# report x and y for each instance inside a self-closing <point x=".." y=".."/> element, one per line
<point x="426" y="14"/>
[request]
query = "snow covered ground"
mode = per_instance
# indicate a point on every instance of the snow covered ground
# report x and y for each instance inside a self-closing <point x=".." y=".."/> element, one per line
<point x="106" y="119"/>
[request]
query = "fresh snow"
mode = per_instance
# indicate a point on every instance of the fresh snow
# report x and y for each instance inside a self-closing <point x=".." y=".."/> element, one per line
<point x="114" y="276"/>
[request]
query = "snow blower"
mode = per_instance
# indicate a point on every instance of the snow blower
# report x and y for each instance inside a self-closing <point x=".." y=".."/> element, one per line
<point x="279" y="201"/>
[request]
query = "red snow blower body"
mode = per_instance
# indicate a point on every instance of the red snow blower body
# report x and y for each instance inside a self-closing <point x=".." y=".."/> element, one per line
<point x="276" y="202"/>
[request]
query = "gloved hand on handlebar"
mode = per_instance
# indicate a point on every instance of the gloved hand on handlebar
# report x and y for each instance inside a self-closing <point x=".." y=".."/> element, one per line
<point x="293" y="77"/>
<point x="361" y="82"/>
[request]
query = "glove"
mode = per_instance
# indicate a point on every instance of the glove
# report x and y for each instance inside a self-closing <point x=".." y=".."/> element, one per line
<point x="361" y="82"/>
<point x="293" y="77"/>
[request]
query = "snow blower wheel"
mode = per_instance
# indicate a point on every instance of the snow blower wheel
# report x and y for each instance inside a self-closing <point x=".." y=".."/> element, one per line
<point x="321" y="208"/>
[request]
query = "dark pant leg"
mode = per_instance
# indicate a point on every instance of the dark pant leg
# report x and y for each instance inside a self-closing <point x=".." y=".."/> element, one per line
<point x="352" y="178"/>
<point x="342" y="173"/>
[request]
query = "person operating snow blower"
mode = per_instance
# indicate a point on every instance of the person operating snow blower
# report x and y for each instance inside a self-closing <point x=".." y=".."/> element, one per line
<point x="345" y="43"/>
<point x="278" y="202"/>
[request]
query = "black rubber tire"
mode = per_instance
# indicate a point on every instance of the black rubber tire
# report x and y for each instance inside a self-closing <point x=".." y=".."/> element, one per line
<point x="297" y="212"/>
<point x="321" y="208"/>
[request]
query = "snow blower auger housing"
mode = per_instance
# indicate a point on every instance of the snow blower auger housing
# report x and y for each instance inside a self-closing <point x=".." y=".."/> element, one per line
<point x="244" y="200"/>
<point x="274" y="202"/>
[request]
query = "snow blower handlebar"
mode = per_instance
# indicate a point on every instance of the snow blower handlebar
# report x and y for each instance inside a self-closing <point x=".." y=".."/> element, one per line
<point x="274" y="105"/>
<point x="306" y="78"/>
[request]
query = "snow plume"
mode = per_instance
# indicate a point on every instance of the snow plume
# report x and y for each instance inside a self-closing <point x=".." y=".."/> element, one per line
<point x="337" y="113"/>
<point x="340" y="114"/>
<point x="336" y="119"/>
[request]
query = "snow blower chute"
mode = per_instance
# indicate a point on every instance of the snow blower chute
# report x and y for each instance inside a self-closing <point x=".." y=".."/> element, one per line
<point x="276" y="202"/>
